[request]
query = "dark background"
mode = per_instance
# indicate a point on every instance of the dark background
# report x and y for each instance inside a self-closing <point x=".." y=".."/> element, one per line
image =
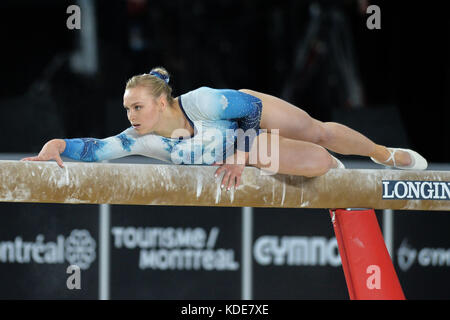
<point x="403" y="71"/>
<point x="226" y="44"/>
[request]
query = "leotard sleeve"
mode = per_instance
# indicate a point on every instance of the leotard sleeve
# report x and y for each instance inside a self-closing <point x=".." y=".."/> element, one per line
<point x="92" y="150"/>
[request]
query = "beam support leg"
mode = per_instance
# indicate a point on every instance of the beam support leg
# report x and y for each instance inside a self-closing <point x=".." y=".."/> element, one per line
<point x="367" y="265"/>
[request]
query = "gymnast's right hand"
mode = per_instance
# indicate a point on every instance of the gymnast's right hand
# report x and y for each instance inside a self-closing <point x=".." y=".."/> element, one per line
<point x="50" y="151"/>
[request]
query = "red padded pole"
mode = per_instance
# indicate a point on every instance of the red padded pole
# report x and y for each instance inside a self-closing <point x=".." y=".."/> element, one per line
<point x="368" y="268"/>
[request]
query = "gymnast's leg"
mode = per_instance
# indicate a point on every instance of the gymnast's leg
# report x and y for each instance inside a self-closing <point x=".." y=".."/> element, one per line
<point x="294" y="123"/>
<point x="299" y="157"/>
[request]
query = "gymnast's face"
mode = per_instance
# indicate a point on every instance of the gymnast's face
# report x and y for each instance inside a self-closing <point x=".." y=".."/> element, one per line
<point x="143" y="110"/>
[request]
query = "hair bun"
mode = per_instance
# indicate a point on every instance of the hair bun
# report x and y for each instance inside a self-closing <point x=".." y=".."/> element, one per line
<point x="160" y="73"/>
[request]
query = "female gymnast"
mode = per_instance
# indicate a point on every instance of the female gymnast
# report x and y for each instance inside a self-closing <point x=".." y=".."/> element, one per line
<point x="189" y="129"/>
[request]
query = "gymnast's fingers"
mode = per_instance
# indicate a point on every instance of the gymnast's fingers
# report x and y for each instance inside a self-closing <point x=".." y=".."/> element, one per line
<point x="231" y="181"/>
<point x="57" y="158"/>
<point x="28" y="159"/>
<point x="218" y="171"/>
<point x="225" y="179"/>
<point x="35" y="158"/>
<point x="59" y="161"/>
<point x="238" y="181"/>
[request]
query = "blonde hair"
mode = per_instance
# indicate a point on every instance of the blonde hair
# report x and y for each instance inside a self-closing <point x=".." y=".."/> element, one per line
<point x="156" y="82"/>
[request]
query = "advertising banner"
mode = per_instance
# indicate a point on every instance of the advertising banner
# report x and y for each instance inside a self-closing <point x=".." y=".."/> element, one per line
<point x="48" y="251"/>
<point x="165" y="252"/>
<point x="422" y="254"/>
<point x="296" y="255"/>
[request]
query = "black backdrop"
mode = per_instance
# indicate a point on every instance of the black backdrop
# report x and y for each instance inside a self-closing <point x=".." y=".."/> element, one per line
<point x="230" y="43"/>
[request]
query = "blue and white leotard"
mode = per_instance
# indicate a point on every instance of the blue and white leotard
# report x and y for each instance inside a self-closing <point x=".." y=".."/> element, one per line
<point x="215" y="114"/>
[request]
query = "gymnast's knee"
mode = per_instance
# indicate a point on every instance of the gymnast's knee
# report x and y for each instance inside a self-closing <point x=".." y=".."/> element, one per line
<point x="322" y="164"/>
<point x="324" y="132"/>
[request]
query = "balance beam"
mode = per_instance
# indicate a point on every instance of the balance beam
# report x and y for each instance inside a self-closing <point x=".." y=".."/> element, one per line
<point x="190" y="185"/>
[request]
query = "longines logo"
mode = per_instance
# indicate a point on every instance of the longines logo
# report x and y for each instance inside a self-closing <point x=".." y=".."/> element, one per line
<point x="416" y="190"/>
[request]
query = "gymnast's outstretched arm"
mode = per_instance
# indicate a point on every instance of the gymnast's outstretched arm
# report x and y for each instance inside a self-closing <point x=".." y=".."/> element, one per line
<point x="89" y="149"/>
